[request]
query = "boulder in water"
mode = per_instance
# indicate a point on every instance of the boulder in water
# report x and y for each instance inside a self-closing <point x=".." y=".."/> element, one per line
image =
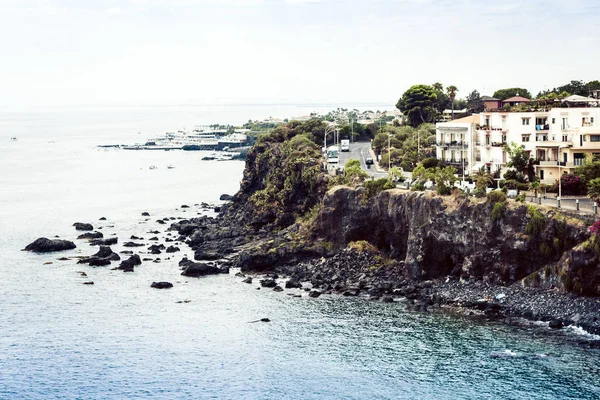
<point x="45" y="245"/>
<point x="83" y="226"/>
<point x="91" y="235"/>
<point x="161" y="285"/>
<point x="225" y="197"/>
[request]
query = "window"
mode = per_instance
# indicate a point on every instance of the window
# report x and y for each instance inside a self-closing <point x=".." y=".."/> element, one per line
<point x="524" y="138"/>
<point x="565" y="124"/>
<point x="553" y="120"/>
<point x="487" y="140"/>
<point x="594" y="138"/>
<point x="504" y="139"/>
<point x="565" y="138"/>
<point x="525" y="121"/>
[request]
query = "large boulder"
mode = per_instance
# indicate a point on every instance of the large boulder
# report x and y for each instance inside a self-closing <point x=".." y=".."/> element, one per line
<point x="45" y="245"/>
<point x="200" y="269"/>
<point x="225" y="197"/>
<point x="161" y="285"/>
<point x="91" y="235"/>
<point x="130" y="263"/>
<point x="104" y="242"/>
<point x="83" y="226"/>
<point x="106" y="252"/>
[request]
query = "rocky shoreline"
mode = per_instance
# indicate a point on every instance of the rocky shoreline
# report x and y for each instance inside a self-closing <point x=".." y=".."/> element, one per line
<point x="218" y="246"/>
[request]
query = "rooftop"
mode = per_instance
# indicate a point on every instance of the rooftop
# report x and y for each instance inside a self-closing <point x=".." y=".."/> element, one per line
<point x="516" y="99"/>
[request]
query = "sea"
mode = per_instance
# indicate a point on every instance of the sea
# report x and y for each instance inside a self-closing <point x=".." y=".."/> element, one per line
<point x="121" y="339"/>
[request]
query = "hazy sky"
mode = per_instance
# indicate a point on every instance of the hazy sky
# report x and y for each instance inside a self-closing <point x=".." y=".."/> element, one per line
<point x="97" y="52"/>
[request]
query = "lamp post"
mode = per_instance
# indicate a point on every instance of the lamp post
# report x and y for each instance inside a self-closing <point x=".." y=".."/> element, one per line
<point x="389" y="154"/>
<point x="328" y="130"/>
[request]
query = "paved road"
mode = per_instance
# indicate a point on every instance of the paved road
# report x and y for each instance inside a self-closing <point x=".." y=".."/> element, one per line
<point x="360" y="151"/>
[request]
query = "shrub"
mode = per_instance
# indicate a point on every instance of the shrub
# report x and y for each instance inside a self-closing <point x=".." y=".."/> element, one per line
<point x="362" y="246"/>
<point x="418" y="187"/>
<point x="430" y="162"/>
<point x="496" y="196"/>
<point x="522" y="186"/>
<point x="520" y="198"/>
<point x="537" y="221"/>
<point x="595" y="228"/>
<point x="499" y="210"/>
<point x="545" y="250"/>
<point x="376" y="186"/>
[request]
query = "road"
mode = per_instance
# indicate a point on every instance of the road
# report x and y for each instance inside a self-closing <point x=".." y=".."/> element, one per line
<point x="360" y="151"/>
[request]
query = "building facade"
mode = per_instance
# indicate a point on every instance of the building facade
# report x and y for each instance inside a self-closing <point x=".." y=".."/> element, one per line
<point x="557" y="139"/>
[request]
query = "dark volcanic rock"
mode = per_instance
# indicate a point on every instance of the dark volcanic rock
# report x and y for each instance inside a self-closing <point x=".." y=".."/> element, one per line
<point x="132" y="244"/>
<point x="185" y="206"/>
<point x="160" y="221"/>
<point x="161" y="285"/>
<point x="270" y="283"/>
<point x="556" y="324"/>
<point x="45" y="245"/>
<point x="247" y="280"/>
<point x="172" y="249"/>
<point x="102" y="219"/>
<point x="106" y="252"/>
<point x="156" y="249"/>
<point x="199" y="269"/>
<point x="145" y="214"/>
<point x="314" y="293"/>
<point x="278" y="289"/>
<point x="91" y="235"/>
<point x="82" y="226"/>
<point x="98" y="262"/>
<point x="104" y="242"/>
<point x="292" y="283"/>
<point x="130" y="263"/>
<point x="226" y="197"/>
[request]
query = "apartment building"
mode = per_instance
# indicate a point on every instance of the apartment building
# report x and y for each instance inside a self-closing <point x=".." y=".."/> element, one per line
<point x="558" y="139"/>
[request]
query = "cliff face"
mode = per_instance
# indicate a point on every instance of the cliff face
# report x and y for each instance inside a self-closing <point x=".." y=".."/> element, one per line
<point x="436" y="237"/>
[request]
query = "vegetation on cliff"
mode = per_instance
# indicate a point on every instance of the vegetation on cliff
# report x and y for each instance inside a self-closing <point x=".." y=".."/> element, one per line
<point x="283" y="178"/>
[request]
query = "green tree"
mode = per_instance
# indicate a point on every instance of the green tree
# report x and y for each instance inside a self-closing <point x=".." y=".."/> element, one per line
<point x="444" y="179"/>
<point x="589" y="170"/>
<point x="418" y="104"/>
<point x="504" y="94"/>
<point x="594" y="190"/>
<point x="474" y="102"/>
<point x="452" y="95"/>
<point x="519" y="159"/>
<point x="354" y="173"/>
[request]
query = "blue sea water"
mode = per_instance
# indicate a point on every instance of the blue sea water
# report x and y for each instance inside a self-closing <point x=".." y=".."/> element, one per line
<point x="121" y="339"/>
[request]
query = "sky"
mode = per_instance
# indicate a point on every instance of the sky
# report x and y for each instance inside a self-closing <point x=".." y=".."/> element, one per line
<point x="155" y="52"/>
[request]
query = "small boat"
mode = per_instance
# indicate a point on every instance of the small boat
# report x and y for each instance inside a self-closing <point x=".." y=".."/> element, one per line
<point x="153" y="167"/>
<point x="170" y="167"/>
<point x="13" y="138"/>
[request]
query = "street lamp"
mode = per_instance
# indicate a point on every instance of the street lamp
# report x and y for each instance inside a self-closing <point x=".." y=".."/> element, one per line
<point x="328" y="130"/>
<point x="389" y="155"/>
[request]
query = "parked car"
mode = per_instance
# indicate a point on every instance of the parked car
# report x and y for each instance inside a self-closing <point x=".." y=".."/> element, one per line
<point x="369" y="161"/>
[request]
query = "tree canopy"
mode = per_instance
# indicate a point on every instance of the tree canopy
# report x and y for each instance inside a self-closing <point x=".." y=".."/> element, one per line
<point x="418" y="104"/>
<point x="504" y="94"/>
<point x="519" y="159"/>
<point x="474" y="102"/>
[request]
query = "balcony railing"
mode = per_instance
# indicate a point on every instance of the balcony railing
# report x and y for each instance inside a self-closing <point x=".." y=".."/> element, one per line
<point x="558" y="163"/>
<point x="542" y="127"/>
<point x="454" y="144"/>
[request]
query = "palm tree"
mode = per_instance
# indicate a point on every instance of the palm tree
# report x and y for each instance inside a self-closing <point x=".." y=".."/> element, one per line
<point x="438" y="86"/>
<point x="594" y="190"/>
<point x="452" y="94"/>
<point x="535" y="186"/>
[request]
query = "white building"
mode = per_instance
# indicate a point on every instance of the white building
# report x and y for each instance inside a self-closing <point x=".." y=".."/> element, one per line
<point x="557" y="139"/>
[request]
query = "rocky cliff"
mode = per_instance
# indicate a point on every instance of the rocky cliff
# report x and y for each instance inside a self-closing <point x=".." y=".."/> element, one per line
<point x="457" y="236"/>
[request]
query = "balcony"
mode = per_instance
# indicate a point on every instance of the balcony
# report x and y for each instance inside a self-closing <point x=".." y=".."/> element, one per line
<point x="545" y="127"/>
<point x="457" y="144"/>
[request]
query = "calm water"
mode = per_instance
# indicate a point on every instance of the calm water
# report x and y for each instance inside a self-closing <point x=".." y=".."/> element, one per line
<point x="120" y="339"/>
